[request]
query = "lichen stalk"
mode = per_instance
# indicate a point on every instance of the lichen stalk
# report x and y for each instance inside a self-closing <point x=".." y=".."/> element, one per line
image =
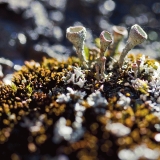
<point x="105" y="40"/>
<point x="77" y="35"/>
<point x="118" y="34"/>
<point x="136" y="36"/>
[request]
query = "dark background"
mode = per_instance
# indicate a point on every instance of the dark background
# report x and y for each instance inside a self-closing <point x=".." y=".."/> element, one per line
<point x="31" y="29"/>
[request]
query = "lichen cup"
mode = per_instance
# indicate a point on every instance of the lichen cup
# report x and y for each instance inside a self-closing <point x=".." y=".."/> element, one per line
<point x="119" y="33"/>
<point x="105" y="40"/>
<point x="77" y="35"/>
<point x="136" y="36"/>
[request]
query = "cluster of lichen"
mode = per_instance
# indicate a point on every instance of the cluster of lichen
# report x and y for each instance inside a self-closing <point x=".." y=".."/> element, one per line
<point x="63" y="109"/>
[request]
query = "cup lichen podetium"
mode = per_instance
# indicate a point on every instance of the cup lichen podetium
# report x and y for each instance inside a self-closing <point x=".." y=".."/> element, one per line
<point x="76" y="35"/>
<point x="136" y="36"/>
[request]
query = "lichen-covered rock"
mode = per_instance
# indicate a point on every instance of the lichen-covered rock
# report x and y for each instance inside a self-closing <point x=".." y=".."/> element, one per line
<point x="43" y="114"/>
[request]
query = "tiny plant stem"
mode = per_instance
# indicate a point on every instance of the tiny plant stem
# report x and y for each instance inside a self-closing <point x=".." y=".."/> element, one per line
<point x="103" y="62"/>
<point x="114" y="48"/>
<point x="135" y="69"/>
<point x="105" y="40"/>
<point x="126" y="49"/>
<point x="97" y="71"/>
<point x="81" y="55"/>
<point x="138" y="64"/>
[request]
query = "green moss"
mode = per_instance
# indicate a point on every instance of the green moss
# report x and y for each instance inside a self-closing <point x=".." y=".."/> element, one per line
<point x="29" y="89"/>
<point x="14" y="87"/>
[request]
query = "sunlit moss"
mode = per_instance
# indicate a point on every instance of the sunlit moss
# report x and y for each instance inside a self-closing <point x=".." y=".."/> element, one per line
<point x="39" y="104"/>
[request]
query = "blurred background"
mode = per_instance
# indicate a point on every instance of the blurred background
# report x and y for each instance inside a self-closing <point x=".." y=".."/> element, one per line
<point x="31" y="29"/>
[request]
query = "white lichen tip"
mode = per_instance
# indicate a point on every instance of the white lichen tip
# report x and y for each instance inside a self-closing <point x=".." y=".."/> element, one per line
<point x="137" y="35"/>
<point x="77" y="78"/>
<point x="105" y="40"/>
<point x="61" y="131"/>
<point x="95" y="99"/>
<point x="76" y="35"/>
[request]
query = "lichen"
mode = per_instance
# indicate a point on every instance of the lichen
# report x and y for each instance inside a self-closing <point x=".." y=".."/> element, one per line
<point x="63" y="105"/>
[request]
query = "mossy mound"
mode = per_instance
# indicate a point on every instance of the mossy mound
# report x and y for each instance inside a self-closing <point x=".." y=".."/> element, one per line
<point x="57" y="110"/>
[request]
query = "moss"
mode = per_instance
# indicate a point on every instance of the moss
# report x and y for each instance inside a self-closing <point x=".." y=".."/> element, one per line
<point x="39" y="104"/>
